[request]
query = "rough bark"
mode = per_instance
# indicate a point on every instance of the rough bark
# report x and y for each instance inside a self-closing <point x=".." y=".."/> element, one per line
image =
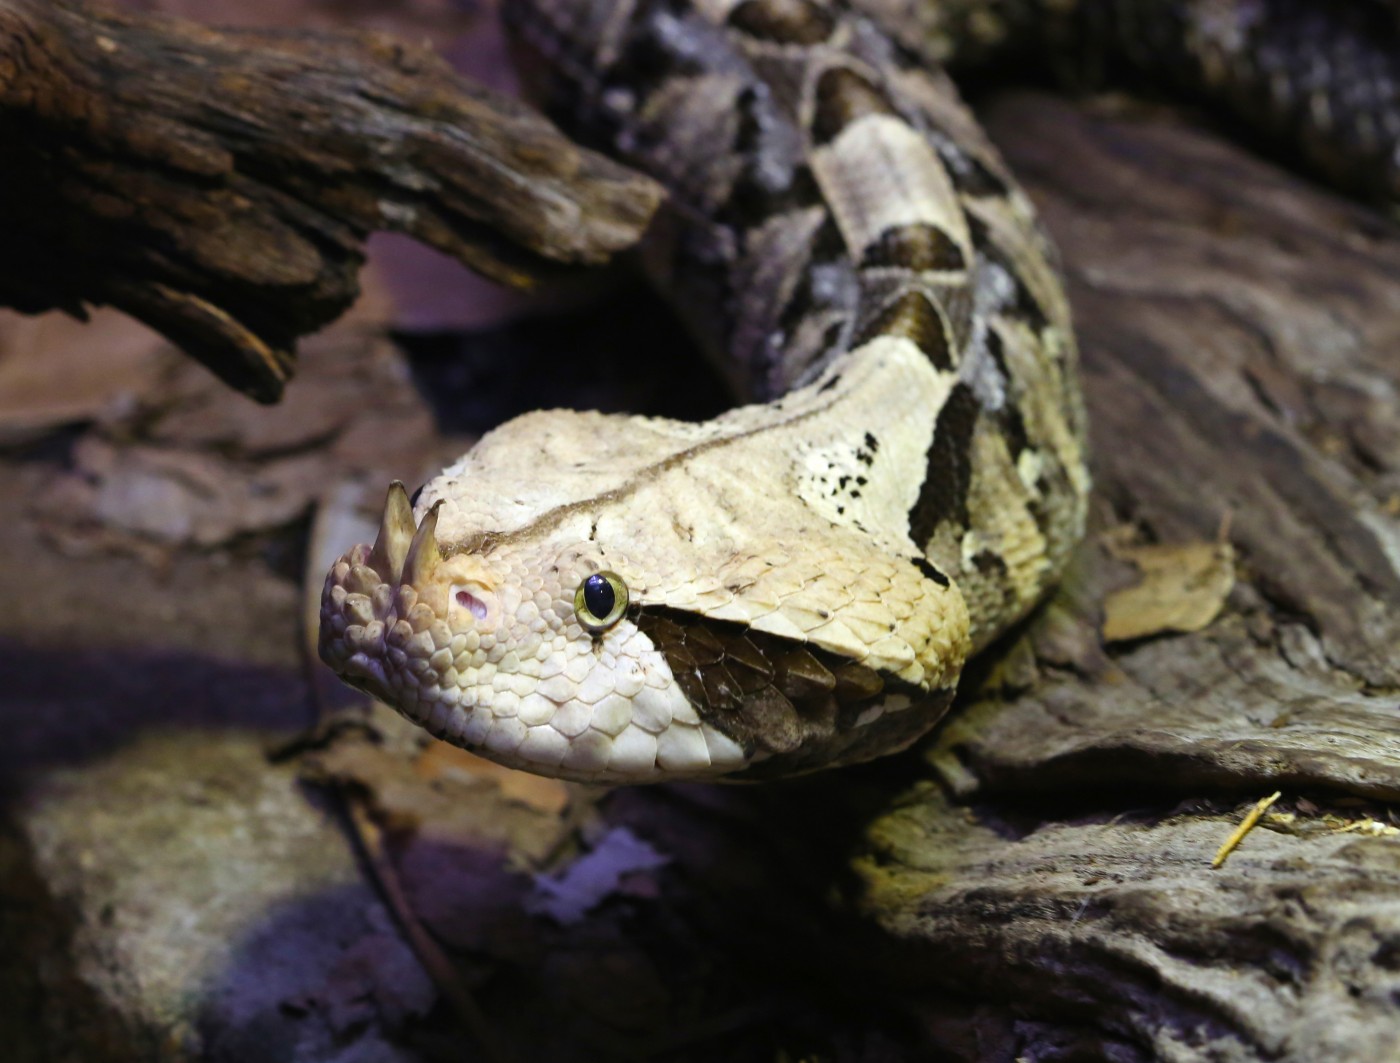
<point x="219" y="185"/>
<point x="1238" y="333"/>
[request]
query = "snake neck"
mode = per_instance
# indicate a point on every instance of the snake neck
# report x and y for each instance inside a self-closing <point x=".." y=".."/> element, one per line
<point x="802" y="578"/>
<point x="827" y="196"/>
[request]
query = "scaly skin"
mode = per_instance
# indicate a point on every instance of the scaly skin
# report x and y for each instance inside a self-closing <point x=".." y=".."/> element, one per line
<point x="469" y="626"/>
<point x="807" y="574"/>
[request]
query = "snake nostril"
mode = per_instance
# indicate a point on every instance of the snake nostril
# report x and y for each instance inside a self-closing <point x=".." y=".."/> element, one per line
<point x="470" y="602"/>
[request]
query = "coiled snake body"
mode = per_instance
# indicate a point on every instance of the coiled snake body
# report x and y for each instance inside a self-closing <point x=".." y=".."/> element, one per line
<point x="797" y="583"/>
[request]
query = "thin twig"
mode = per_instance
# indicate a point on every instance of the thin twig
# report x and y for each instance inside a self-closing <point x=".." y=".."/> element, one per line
<point x="370" y="840"/>
<point x="1255" y="814"/>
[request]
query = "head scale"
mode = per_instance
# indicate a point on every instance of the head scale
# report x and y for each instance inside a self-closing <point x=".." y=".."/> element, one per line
<point x="569" y="602"/>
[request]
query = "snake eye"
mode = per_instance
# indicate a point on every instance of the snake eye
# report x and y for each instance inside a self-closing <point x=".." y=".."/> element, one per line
<point x="600" y="601"/>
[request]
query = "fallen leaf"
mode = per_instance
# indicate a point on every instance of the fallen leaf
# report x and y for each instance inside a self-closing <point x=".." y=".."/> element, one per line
<point x="381" y="762"/>
<point x="442" y="760"/>
<point x="594" y="877"/>
<point x="1183" y="588"/>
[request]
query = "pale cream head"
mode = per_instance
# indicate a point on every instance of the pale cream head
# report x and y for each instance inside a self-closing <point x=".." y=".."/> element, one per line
<point x="473" y="620"/>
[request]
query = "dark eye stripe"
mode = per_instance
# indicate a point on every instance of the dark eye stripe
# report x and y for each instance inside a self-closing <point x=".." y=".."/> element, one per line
<point x="763" y="691"/>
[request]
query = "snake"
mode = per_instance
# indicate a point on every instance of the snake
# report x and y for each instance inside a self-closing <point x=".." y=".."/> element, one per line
<point x="797" y="583"/>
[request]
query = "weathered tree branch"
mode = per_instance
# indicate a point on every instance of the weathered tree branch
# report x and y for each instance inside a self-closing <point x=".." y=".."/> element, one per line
<point x="219" y="184"/>
<point x="1238" y="333"/>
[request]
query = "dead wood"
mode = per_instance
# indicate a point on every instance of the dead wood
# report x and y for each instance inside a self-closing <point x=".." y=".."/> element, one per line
<point x="1238" y="332"/>
<point x="219" y="185"/>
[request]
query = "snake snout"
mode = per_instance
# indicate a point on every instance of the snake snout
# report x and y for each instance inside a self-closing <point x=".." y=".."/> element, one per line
<point x="401" y="622"/>
<point x="382" y="610"/>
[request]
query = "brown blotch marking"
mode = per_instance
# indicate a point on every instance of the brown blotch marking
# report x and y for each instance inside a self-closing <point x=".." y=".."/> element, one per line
<point x="918" y="246"/>
<point x="948" y="474"/>
<point x="912" y="316"/>
<point x="843" y="97"/>
<point x="974" y="178"/>
<point x="1014" y="428"/>
<point x="772" y="722"/>
<point x="753" y="669"/>
<point x="722" y="689"/>
<point x="1023" y="305"/>
<point x="783" y="21"/>
<point x="892" y="731"/>
<point x="855" y="682"/>
<point x="763" y="691"/>
<point x="1012" y="423"/>
<point x="992" y="569"/>
<point x="989" y="564"/>
<point x="927" y="570"/>
<point x="1052" y="485"/>
<point x="707" y="648"/>
<point x="802" y="677"/>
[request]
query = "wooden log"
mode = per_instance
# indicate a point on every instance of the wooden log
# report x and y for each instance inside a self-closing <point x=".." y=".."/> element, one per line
<point x="219" y="185"/>
<point x="1238" y="333"/>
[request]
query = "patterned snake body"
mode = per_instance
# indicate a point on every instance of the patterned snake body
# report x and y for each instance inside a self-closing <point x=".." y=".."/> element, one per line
<point x="797" y="583"/>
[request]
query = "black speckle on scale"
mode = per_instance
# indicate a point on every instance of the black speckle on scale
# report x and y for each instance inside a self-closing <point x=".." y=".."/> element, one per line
<point x="598" y="595"/>
<point x="929" y="572"/>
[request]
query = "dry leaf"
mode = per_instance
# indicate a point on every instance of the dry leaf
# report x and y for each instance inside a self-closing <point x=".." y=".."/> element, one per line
<point x="594" y="877"/>
<point x="440" y="759"/>
<point x="384" y="764"/>
<point x="1183" y="588"/>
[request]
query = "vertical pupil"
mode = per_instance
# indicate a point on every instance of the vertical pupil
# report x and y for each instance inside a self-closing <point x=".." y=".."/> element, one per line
<point x="598" y="596"/>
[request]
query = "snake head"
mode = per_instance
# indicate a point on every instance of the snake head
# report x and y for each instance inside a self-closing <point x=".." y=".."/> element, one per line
<point x="576" y="597"/>
<point x="524" y="655"/>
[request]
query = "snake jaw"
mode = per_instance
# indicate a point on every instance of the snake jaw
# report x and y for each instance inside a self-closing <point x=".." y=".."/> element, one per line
<point x="485" y="651"/>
